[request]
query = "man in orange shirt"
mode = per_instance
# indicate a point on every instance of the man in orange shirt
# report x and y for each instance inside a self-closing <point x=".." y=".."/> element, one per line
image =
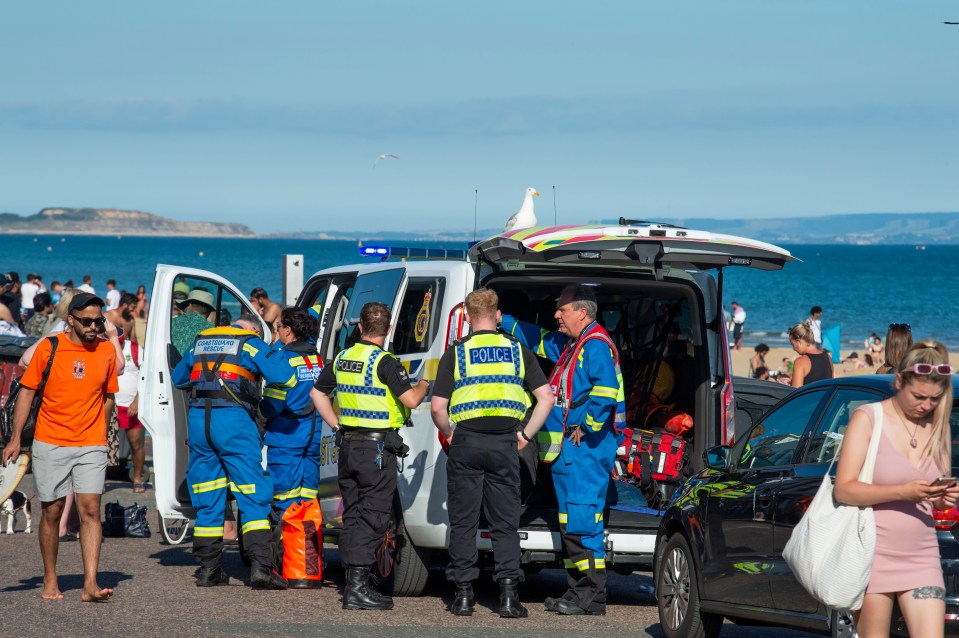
<point x="70" y="441"/>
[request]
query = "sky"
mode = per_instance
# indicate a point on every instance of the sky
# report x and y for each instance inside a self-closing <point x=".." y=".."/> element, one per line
<point x="272" y="114"/>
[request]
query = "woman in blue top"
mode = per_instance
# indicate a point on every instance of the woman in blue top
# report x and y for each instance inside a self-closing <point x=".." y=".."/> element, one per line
<point x="292" y="440"/>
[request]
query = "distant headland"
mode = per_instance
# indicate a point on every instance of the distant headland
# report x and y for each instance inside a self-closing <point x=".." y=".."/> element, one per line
<point x="856" y="229"/>
<point x="108" y="221"/>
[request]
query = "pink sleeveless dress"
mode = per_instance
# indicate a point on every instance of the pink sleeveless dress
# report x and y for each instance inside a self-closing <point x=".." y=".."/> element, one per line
<point x="907" y="552"/>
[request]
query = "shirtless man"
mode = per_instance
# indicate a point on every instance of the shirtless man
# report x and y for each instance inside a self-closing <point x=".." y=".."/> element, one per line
<point x="268" y="309"/>
<point x="123" y="316"/>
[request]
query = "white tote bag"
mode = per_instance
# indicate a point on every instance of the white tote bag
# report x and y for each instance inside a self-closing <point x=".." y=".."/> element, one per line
<point x="831" y="549"/>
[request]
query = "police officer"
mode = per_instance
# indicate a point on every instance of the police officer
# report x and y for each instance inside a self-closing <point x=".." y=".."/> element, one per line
<point x="375" y="397"/>
<point x="223" y="369"/>
<point x="480" y="387"/>
<point x="579" y="438"/>
<point x="291" y="437"/>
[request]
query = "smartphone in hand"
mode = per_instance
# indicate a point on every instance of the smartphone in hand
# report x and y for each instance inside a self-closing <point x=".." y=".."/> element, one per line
<point x="944" y="481"/>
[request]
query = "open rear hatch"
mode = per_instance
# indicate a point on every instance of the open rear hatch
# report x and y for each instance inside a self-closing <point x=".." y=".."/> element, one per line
<point x="629" y="245"/>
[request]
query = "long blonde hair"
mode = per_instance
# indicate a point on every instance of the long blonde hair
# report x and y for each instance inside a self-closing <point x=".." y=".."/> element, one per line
<point x="939" y="445"/>
<point x="63" y="306"/>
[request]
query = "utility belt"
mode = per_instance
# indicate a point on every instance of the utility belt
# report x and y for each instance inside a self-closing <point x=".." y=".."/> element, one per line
<point x="392" y="441"/>
<point x="221" y="394"/>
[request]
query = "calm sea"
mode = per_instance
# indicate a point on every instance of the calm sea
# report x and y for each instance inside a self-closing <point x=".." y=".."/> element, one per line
<point x="861" y="288"/>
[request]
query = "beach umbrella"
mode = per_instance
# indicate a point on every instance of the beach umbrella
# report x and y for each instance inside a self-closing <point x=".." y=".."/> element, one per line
<point x="830" y="341"/>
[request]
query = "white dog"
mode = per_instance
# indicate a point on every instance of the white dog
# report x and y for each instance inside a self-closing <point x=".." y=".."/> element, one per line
<point x="18" y="502"/>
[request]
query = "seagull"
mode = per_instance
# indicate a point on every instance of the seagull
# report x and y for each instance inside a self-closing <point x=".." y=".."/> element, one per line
<point x="383" y="157"/>
<point x="525" y="217"/>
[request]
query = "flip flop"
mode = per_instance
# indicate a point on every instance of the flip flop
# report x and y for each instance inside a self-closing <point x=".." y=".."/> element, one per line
<point x="139" y="488"/>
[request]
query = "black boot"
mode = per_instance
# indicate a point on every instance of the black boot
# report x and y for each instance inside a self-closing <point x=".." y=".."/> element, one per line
<point x="463" y="603"/>
<point x="211" y="577"/>
<point x="357" y="594"/>
<point x="371" y="586"/>
<point x="509" y="605"/>
<point x="263" y="577"/>
<point x="550" y="603"/>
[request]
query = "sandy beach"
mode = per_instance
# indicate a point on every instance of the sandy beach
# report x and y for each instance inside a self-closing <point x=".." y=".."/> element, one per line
<point x="740" y="359"/>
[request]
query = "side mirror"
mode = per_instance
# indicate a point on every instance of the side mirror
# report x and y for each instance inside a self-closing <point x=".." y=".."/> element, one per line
<point x="717" y="457"/>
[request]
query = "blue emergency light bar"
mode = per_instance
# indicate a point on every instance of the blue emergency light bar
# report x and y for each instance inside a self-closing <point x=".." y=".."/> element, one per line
<point x="391" y="252"/>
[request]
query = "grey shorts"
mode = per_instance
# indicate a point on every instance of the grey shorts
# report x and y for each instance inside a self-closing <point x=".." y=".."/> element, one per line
<point x="59" y="470"/>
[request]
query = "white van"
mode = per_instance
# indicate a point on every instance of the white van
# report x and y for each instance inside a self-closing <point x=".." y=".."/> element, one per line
<point x="659" y="289"/>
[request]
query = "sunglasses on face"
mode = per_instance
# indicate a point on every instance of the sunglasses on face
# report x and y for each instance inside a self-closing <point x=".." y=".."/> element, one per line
<point x="928" y="368"/>
<point x="86" y="322"/>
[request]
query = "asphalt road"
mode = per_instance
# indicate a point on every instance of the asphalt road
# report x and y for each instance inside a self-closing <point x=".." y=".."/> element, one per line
<point x="155" y="596"/>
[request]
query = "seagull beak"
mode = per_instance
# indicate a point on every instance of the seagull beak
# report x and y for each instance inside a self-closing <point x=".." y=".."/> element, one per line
<point x="536" y="193"/>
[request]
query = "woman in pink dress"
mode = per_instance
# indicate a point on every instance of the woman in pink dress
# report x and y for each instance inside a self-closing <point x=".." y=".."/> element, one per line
<point x="914" y="451"/>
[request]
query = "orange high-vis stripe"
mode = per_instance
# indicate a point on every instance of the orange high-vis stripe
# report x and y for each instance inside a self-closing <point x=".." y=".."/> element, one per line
<point x="227" y="371"/>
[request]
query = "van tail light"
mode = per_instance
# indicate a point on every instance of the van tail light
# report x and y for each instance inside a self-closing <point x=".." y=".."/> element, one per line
<point x="729" y="413"/>
<point x="946" y="519"/>
<point x="728" y="417"/>
<point x="454" y="324"/>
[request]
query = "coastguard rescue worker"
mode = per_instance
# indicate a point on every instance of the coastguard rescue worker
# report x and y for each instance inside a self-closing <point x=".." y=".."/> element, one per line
<point x="223" y="369"/>
<point x="481" y="387"/>
<point x="375" y="398"/>
<point x="580" y="438"/>
<point x="292" y="440"/>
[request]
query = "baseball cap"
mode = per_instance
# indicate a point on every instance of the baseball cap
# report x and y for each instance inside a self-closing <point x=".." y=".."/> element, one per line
<point x="83" y="300"/>
<point x="6" y="279"/>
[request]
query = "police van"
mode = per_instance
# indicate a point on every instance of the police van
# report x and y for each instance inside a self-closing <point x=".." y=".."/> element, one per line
<point x="659" y="289"/>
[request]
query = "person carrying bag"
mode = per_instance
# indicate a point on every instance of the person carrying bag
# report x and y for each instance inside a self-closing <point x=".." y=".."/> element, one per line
<point x="831" y="549"/>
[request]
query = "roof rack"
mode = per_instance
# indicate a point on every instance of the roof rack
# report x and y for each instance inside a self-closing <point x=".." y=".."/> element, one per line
<point x="640" y="222"/>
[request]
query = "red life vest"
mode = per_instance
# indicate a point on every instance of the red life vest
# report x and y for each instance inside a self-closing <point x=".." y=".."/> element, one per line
<point x="561" y="378"/>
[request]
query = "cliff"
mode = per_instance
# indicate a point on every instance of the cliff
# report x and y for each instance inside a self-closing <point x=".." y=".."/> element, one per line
<point x="100" y="221"/>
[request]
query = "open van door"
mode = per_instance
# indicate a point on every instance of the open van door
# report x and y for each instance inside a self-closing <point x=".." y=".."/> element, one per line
<point x="345" y="299"/>
<point x="163" y="408"/>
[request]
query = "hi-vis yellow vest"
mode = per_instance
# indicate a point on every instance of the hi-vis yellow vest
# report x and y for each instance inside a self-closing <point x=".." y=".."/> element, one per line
<point x="488" y="378"/>
<point x="364" y="400"/>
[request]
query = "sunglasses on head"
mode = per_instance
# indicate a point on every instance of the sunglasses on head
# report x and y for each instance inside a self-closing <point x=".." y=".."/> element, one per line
<point x="900" y="325"/>
<point x="928" y="368"/>
<point x="86" y="322"/>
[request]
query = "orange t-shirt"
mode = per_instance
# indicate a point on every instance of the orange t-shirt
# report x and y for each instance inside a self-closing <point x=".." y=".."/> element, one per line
<point x="72" y="410"/>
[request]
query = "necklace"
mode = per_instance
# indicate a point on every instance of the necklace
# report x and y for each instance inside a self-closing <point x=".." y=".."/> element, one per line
<point x="902" y="419"/>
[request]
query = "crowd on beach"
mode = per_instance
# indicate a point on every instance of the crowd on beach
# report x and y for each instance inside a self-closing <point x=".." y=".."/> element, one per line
<point x="30" y="308"/>
<point x="814" y="358"/>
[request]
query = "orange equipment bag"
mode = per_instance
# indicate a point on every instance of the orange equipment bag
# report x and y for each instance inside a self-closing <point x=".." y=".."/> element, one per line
<point x="664" y="417"/>
<point x="303" y="544"/>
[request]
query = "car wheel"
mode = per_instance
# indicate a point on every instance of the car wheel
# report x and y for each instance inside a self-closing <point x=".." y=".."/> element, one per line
<point x="677" y="595"/>
<point x="401" y="567"/>
<point x="412" y="566"/>
<point x="842" y="624"/>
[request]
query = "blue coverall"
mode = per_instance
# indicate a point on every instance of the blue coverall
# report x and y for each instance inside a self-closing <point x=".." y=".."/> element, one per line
<point x="581" y="473"/>
<point x="293" y="428"/>
<point x="225" y="446"/>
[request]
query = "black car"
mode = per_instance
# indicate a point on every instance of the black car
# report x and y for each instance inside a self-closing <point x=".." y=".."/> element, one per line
<point x="720" y="544"/>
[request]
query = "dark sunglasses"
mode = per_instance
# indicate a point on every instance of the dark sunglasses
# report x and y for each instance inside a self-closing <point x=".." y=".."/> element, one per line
<point x="900" y="325"/>
<point x="86" y="322"/>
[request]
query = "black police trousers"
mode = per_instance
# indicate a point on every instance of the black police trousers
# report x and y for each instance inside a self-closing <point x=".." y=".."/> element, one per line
<point x="367" y="478"/>
<point x="483" y="472"/>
